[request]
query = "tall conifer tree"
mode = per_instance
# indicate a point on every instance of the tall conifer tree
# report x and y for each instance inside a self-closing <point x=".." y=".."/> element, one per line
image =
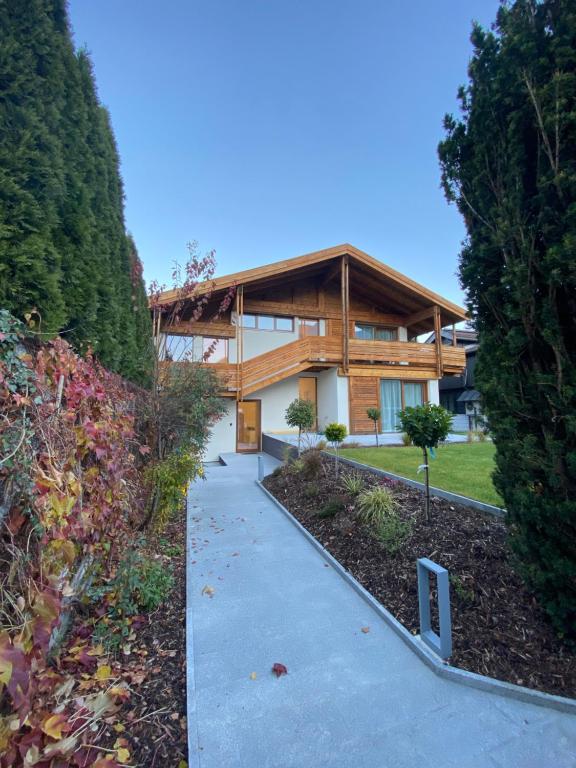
<point x="64" y="250"/>
<point x="510" y="164"/>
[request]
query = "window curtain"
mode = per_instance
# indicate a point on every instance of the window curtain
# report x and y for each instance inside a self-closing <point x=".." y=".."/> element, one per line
<point x="391" y="403"/>
<point x="412" y="394"/>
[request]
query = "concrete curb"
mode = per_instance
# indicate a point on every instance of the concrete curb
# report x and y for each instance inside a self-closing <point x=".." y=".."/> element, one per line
<point x="455" y="498"/>
<point x="460" y="676"/>
<point x="192" y="724"/>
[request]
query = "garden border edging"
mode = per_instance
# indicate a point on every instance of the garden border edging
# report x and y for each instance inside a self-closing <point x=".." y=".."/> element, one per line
<point x="440" y="668"/>
<point x="455" y="498"/>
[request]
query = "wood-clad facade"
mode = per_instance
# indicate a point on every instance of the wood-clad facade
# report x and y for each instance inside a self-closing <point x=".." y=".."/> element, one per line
<point x="338" y="315"/>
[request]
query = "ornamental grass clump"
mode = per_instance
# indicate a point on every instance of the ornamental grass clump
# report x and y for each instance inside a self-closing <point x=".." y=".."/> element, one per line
<point x="353" y="483"/>
<point x="376" y="505"/>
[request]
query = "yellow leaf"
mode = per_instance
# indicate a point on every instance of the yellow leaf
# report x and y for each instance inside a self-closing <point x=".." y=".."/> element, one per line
<point x="103" y="672"/>
<point x="253" y="675"/>
<point x="119" y="728"/>
<point x="182" y="764"/>
<point x="96" y="650"/>
<point x="208" y="590"/>
<point x="365" y="630"/>
<point x="54" y="726"/>
<point x="5" y="671"/>
<point x="123" y="755"/>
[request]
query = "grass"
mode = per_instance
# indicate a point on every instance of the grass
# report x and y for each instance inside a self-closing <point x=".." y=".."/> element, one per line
<point x="464" y="468"/>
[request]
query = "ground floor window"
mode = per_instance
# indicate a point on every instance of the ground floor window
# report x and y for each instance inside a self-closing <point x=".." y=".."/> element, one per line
<point x="396" y="395"/>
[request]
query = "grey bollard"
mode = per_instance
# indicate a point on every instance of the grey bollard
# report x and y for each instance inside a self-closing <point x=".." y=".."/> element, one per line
<point x="260" y="468"/>
<point x="441" y="645"/>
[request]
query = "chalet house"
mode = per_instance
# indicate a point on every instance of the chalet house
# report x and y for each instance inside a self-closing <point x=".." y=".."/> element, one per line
<point x="336" y="327"/>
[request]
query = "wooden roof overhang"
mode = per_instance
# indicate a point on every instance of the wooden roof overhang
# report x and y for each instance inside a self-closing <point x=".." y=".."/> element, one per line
<point x="378" y="284"/>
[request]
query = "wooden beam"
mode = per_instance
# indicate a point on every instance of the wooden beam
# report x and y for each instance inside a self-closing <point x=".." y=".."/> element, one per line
<point x="345" y="296"/>
<point x="438" y="337"/>
<point x="416" y="317"/>
<point x="217" y="330"/>
<point x="331" y="274"/>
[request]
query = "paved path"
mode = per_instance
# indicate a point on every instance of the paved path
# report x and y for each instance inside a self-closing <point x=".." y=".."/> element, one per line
<point x="350" y="700"/>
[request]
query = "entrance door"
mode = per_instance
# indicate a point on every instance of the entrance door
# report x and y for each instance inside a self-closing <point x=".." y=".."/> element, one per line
<point x="390" y="403"/>
<point x="248" y="426"/>
<point x="307" y="387"/>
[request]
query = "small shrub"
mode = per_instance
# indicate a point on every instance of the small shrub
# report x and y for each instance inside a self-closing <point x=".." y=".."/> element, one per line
<point x="353" y="483"/>
<point x="470" y="436"/>
<point x="406" y="439"/>
<point x="331" y="508"/>
<point x="287" y="454"/>
<point x="463" y="594"/>
<point x="351" y="444"/>
<point x="277" y="472"/>
<point x="321" y="445"/>
<point x="170" y="479"/>
<point x="312" y="463"/>
<point x="481" y="435"/>
<point x="375" y="505"/>
<point x="335" y="434"/>
<point x="296" y="467"/>
<point x="311" y="491"/>
<point x="140" y="584"/>
<point x="301" y="414"/>
<point x="392" y="533"/>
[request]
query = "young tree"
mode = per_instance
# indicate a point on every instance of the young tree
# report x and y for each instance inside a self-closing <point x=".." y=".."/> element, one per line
<point x="509" y="164"/>
<point x="374" y="415"/>
<point x="336" y="434"/>
<point x="301" y="414"/>
<point x="426" y="425"/>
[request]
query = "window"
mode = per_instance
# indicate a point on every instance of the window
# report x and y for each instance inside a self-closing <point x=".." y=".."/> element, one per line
<point x="214" y="350"/>
<point x="374" y="332"/>
<point x="309" y="328"/>
<point x="177" y="348"/>
<point x="396" y="395"/>
<point x="268" y="323"/>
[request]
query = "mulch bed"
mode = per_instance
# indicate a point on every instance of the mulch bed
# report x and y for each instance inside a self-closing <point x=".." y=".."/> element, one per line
<point x="498" y="629"/>
<point x="155" y="716"/>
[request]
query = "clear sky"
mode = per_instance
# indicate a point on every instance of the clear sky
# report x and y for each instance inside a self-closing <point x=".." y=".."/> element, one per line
<point x="270" y="128"/>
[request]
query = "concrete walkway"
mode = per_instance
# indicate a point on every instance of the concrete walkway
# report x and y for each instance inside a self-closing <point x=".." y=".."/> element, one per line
<point x="259" y="593"/>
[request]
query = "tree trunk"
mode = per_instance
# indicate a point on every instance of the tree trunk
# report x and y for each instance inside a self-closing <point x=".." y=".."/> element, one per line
<point x="299" y="438"/>
<point x="376" y="432"/>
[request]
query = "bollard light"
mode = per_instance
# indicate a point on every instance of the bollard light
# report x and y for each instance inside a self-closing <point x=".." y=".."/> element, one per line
<point x="260" y="468"/>
<point x="442" y="644"/>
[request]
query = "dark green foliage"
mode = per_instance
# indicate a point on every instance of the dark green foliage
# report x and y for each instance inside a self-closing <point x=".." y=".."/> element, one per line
<point x="426" y="426"/>
<point x="300" y="413"/>
<point x="64" y="252"/>
<point x="311" y="491"/>
<point x="392" y="532"/>
<point x="510" y="165"/>
<point x="331" y="508"/>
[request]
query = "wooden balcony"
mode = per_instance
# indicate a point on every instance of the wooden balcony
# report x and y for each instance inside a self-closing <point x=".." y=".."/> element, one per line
<point x="384" y="359"/>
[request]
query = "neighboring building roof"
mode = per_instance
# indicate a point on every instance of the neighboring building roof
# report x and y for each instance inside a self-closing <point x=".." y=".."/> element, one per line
<point x="471" y="395"/>
<point x="464" y="337"/>
<point x="384" y="284"/>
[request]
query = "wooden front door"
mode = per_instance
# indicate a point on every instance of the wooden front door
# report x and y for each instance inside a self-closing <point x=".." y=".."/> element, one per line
<point x="248" y="435"/>
<point x="307" y="388"/>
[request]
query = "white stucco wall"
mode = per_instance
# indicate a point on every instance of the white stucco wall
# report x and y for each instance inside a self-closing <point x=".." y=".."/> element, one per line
<point x="343" y="401"/>
<point x="258" y="342"/>
<point x="433" y="392"/>
<point x="223" y="437"/>
<point x="327" y="397"/>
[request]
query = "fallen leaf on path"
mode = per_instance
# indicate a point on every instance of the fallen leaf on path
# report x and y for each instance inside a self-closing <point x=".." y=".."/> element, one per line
<point x="279" y="669"/>
<point x="253" y="675"/>
<point x="365" y="630"/>
<point x="208" y="591"/>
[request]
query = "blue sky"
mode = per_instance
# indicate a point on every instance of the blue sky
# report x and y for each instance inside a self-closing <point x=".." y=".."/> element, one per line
<point x="270" y="128"/>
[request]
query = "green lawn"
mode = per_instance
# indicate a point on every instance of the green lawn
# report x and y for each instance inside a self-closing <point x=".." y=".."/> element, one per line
<point x="464" y="468"/>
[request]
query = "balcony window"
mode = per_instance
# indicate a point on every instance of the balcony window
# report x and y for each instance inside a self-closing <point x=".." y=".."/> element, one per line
<point x="177" y="348"/>
<point x="366" y="332"/>
<point x="214" y="350"/>
<point x="309" y="328"/>
<point x="268" y="323"/>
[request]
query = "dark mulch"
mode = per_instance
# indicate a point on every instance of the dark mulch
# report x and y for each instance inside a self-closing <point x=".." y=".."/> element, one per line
<point x="155" y="719"/>
<point x="498" y="628"/>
